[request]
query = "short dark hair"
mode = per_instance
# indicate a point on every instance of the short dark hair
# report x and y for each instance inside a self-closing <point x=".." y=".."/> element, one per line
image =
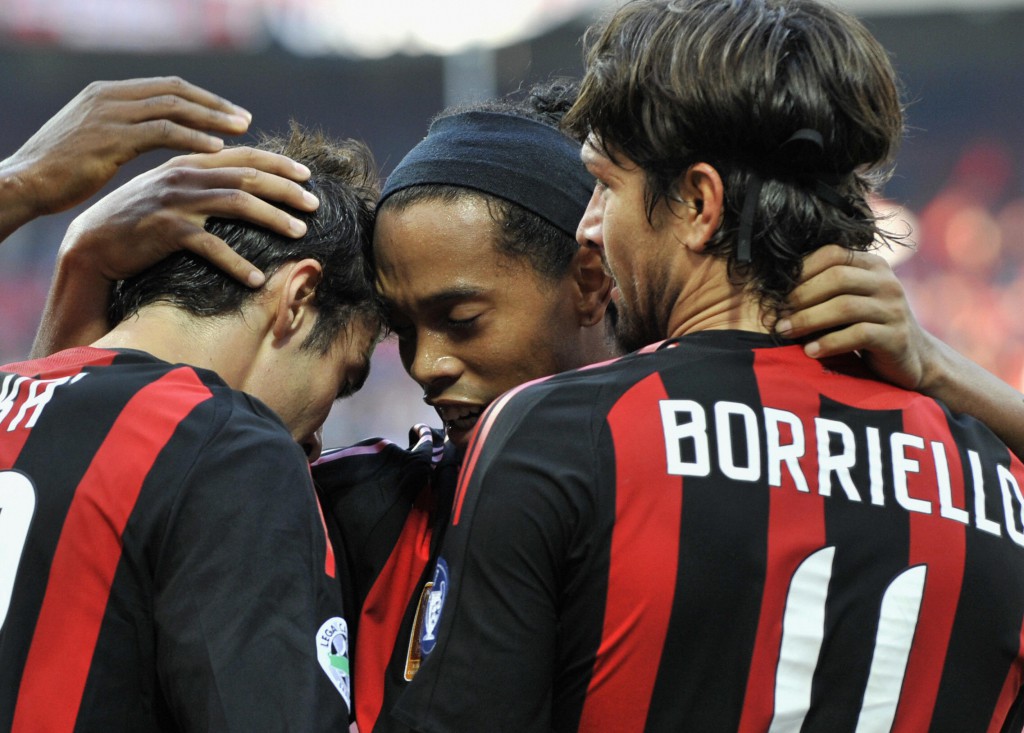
<point x="344" y="178"/>
<point x="519" y="233"/>
<point x="670" y="83"/>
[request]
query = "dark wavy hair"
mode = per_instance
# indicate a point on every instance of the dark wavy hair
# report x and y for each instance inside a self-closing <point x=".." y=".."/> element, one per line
<point x="519" y="233"/>
<point x="670" y="83"/>
<point x="344" y="178"/>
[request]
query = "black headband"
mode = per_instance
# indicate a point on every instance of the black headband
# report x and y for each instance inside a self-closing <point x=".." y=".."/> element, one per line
<point x="528" y="163"/>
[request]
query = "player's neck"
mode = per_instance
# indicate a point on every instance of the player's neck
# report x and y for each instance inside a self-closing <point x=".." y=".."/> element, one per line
<point x="177" y="337"/>
<point x="708" y="301"/>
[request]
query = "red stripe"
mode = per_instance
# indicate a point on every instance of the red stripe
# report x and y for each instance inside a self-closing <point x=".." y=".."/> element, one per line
<point x="380" y="620"/>
<point x="63" y="363"/>
<point x="796" y="529"/>
<point x="1011" y="688"/>
<point x="476" y="444"/>
<point x="329" y="566"/>
<point x="939" y="544"/>
<point x="89" y="550"/>
<point x="643" y="568"/>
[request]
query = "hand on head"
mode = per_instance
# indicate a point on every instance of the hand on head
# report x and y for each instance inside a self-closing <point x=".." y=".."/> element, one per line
<point x="164" y="210"/>
<point x="109" y="123"/>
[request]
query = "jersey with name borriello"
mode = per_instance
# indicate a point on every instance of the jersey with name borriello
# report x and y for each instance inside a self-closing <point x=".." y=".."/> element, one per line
<point x="720" y="535"/>
<point x="163" y="565"/>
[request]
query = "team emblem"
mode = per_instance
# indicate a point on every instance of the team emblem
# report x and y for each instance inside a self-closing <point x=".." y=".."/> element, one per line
<point x="332" y="652"/>
<point x="435" y="604"/>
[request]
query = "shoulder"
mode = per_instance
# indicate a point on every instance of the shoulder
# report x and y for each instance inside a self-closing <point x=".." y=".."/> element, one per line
<point x="574" y="400"/>
<point x="379" y="461"/>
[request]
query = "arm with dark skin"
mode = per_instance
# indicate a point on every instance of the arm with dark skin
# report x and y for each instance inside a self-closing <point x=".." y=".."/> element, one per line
<point x="856" y="302"/>
<point x="158" y="213"/>
<point x="107" y="124"/>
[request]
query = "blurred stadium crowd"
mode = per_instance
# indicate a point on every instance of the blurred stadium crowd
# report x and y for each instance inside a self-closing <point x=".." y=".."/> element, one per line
<point x="959" y="181"/>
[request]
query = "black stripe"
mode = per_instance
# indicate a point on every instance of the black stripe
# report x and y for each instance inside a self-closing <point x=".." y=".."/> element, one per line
<point x="722" y="554"/>
<point x="872" y="547"/>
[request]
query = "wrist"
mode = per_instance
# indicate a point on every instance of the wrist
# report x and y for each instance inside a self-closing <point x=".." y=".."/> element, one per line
<point x="74" y="256"/>
<point x="18" y="203"/>
<point x="936" y="366"/>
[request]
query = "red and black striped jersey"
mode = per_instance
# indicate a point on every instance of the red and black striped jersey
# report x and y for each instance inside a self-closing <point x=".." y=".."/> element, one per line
<point x="163" y="565"/>
<point x="725" y="535"/>
<point x="387" y="507"/>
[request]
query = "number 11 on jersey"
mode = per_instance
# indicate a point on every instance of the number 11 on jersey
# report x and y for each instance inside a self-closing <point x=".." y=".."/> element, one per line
<point x="803" y="630"/>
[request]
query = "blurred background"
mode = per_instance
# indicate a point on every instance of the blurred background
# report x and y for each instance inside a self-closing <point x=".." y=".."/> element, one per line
<point x="380" y="70"/>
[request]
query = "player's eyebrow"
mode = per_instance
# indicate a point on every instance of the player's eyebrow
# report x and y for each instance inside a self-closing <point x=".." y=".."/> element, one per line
<point x="441" y="297"/>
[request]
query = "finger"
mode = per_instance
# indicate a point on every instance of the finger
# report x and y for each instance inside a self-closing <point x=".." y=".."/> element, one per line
<point x="834" y="255"/>
<point x="859" y="336"/>
<point x="242" y="186"/>
<point x="865" y="274"/>
<point x="142" y="88"/>
<point x="233" y="203"/>
<point x="136" y="139"/>
<point x="831" y="283"/>
<point x="833" y="313"/>
<point x="245" y="157"/>
<point x="821" y="259"/>
<point x="184" y="112"/>
<point x="216" y="251"/>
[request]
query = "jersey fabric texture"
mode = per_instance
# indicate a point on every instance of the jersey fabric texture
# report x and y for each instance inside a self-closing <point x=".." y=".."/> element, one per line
<point x="164" y="566"/>
<point x="722" y="534"/>
<point x="387" y="507"/>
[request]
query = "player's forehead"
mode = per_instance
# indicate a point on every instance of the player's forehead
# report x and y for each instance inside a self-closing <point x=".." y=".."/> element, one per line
<point x="438" y="253"/>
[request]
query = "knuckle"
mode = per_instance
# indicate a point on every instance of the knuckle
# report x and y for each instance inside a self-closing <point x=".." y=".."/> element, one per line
<point x="96" y="89"/>
<point x="165" y="129"/>
<point x="235" y="199"/>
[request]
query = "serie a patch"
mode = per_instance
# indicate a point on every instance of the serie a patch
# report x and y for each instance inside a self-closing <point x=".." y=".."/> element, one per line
<point x="332" y="652"/>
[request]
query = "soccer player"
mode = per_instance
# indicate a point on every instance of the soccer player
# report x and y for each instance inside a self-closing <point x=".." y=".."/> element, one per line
<point x="522" y="270"/>
<point x="164" y="565"/>
<point x="717" y="533"/>
<point x="485" y="288"/>
<point x="77" y="151"/>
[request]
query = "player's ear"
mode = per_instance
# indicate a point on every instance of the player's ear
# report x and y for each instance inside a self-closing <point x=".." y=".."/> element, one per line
<point x="698" y="205"/>
<point x="294" y="309"/>
<point x="593" y="284"/>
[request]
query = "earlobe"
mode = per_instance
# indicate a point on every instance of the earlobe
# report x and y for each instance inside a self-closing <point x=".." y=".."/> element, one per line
<point x="593" y="283"/>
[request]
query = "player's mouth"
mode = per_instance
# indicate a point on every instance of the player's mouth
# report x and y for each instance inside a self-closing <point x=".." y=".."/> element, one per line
<point x="459" y="420"/>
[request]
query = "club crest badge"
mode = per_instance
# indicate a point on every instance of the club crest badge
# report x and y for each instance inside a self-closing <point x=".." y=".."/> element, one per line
<point x="434" y="605"/>
<point x="332" y="652"/>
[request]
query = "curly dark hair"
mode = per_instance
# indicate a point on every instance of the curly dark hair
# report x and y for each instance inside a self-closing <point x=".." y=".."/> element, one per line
<point x="344" y="178"/>
<point x="669" y="83"/>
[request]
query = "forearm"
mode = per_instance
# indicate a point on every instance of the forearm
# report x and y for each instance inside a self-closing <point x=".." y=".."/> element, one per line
<point x="76" y="306"/>
<point x="16" y="208"/>
<point x="969" y="388"/>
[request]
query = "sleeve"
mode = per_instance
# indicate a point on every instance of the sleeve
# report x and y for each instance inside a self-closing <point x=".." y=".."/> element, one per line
<point x="249" y="620"/>
<point x="494" y="635"/>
